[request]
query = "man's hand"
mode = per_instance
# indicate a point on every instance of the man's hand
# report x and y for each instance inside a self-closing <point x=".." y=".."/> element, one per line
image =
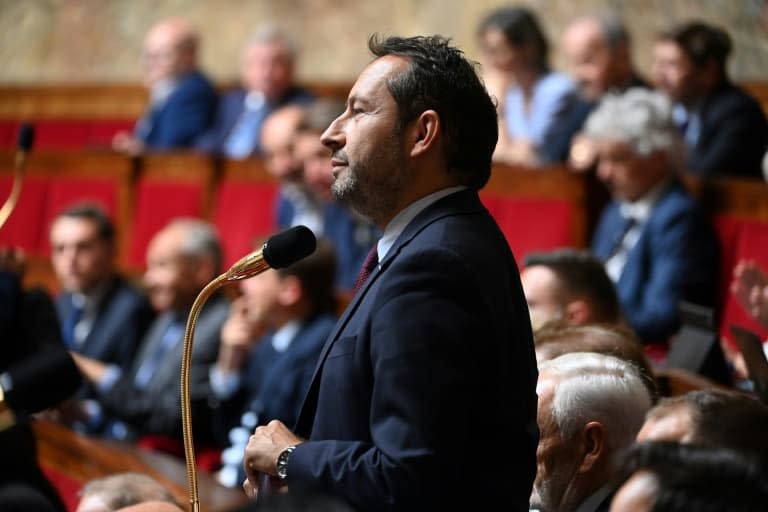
<point x="264" y="446"/>
<point x="237" y="337"/>
<point x="750" y="286"/>
<point x="126" y="143"/>
<point x="91" y="369"/>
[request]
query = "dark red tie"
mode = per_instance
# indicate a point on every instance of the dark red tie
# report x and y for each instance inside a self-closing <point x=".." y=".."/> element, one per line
<point x="368" y="266"/>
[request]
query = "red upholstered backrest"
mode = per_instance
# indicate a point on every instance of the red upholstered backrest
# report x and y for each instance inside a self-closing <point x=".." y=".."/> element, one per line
<point x="66" y="192"/>
<point x="242" y="212"/>
<point x="8" y="131"/>
<point x="531" y="225"/>
<point x="157" y="203"/>
<point x="67" y="487"/>
<point x="74" y="134"/>
<point x="739" y="239"/>
<point x="24" y="227"/>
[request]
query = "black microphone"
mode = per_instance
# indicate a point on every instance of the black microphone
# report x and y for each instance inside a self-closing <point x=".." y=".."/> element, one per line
<point x="280" y="251"/>
<point x="39" y="382"/>
<point x="26" y="138"/>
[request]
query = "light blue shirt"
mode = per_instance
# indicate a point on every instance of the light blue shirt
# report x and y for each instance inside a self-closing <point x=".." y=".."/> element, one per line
<point x="552" y="95"/>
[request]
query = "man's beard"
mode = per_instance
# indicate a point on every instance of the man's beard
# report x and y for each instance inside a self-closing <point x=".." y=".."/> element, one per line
<point x="373" y="187"/>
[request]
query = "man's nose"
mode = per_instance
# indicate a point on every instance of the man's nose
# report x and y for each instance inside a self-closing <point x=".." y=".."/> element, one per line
<point x="333" y="136"/>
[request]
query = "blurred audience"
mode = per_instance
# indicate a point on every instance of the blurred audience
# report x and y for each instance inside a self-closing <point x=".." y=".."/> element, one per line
<point x="266" y="83"/>
<point x="351" y="235"/>
<point x="657" y="245"/>
<point x="590" y="409"/>
<point x="182" y="101"/>
<point x="114" y="492"/>
<point x="269" y="349"/>
<point x="145" y="400"/>
<point x="725" y="130"/>
<point x="711" y="418"/>
<point x="672" y="477"/>
<point x="532" y="99"/>
<point x="597" y="50"/>
<point x="568" y="286"/>
<point x="102" y="316"/>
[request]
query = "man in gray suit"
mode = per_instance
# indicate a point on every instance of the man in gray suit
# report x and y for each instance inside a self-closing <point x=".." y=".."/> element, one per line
<point x="145" y="400"/>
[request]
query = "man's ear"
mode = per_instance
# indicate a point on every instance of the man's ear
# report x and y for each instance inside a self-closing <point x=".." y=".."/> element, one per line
<point x="577" y="312"/>
<point x="593" y="439"/>
<point x="424" y="130"/>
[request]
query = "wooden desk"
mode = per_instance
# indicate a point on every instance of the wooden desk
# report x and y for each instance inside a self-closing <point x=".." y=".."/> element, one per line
<point x="83" y="458"/>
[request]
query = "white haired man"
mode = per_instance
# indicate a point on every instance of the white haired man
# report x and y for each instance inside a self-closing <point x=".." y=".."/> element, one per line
<point x="657" y="246"/>
<point x="590" y="408"/>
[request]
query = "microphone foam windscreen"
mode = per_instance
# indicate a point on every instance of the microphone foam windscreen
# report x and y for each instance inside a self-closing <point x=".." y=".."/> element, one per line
<point x="286" y="248"/>
<point x="26" y="137"/>
<point x="41" y="381"/>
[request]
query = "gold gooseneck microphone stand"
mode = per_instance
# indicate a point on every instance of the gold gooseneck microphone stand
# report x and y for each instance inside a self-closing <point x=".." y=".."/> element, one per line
<point x="280" y="251"/>
<point x="26" y="137"/>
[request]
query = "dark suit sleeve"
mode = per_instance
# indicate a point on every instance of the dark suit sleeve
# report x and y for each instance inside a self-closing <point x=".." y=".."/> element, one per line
<point x="426" y="312"/>
<point x="682" y="264"/>
<point x="734" y="139"/>
<point x="188" y="114"/>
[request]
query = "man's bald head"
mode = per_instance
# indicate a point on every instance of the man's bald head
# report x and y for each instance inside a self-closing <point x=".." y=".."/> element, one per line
<point x="170" y="50"/>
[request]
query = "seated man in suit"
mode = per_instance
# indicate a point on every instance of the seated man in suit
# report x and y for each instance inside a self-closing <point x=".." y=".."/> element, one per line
<point x="182" y="100"/>
<point x="598" y="52"/>
<point x="658" y="247"/>
<point x="590" y="409"/>
<point x="570" y="287"/>
<point x="725" y="130"/>
<point x="267" y="83"/>
<point x="102" y="316"/>
<point x="269" y="348"/>
<point x="351" y="234"/>
<point x="145" y="399"/>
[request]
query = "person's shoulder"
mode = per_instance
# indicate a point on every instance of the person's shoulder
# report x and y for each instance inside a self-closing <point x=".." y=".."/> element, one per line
<point x="556" y="83"/>
<point x="731" y="99"/>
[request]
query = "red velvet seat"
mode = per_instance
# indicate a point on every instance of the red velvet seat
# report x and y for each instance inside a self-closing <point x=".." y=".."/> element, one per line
<point x="531" y="224"/>
<point x="242" y="212"/>
<point x="739" y="239"/>
<point x="25" y="225"/>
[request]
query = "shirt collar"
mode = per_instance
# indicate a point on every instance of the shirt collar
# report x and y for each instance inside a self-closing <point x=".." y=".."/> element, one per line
<point x="640" y="209"/>
<point x="398" y="224"/>
<point x="283" y="337"/>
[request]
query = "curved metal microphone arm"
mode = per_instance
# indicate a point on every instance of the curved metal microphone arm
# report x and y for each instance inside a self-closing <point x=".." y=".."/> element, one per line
<point x="246" y="267"/>
<point x="18" y="178"/>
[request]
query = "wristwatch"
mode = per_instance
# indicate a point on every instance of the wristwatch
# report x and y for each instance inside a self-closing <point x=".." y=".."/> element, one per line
<point x="282" y="462"/>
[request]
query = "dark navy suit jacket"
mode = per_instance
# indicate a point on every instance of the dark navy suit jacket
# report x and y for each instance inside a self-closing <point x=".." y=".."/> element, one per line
<point x="183" y="117"/>
<point x="121" y="319"/>
<point x="424" y="396"/>
<point x="274" y="383"/>
<point x="229" y="111"/>
<point x="674" y="259"/>
<point x="733" y="137"/>
<point x="351" y="236"/>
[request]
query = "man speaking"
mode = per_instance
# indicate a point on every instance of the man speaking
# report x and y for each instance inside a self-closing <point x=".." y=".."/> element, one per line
<point x="424" y="394"/>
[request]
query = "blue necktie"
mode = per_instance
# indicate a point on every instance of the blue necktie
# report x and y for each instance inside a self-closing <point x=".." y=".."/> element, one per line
<point x="147" y="369"/>
<point x="68" y="328"/>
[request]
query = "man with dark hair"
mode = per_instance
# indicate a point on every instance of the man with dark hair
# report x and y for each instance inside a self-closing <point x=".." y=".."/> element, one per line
<point x="350" y="233"/>
<point x="435" y="350"/>
<point x="569" y="286"/>
<point x="101" y="315"/>
<point x="714" y="418"/>
<point x="269" y="349"/>
<point x="671" y="477"/>
<point x="725" y="129"/>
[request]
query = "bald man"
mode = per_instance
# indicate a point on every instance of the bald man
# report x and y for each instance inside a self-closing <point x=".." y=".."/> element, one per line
<point x="597" y="50"/>
<point x="182" y="100"/>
